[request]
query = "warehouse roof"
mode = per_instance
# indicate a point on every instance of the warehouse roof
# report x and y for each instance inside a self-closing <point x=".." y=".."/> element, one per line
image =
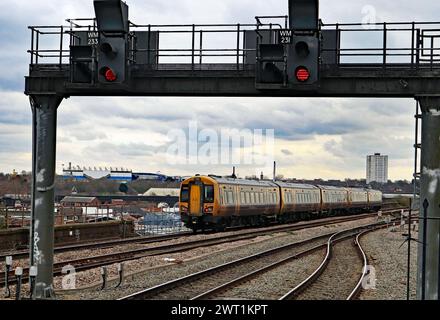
<point x="70" y="199"/>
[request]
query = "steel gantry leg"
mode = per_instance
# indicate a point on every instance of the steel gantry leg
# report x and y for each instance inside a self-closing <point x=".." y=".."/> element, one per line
<point x="44" y="123"/>
<point x="429" y="230"/>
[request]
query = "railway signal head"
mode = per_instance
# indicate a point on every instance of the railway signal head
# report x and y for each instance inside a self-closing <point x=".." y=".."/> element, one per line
<point x="113" y="27"/>
<point x="112" y="59"/>
<point x="303" y="60"/>
<point x="303" y="57"/>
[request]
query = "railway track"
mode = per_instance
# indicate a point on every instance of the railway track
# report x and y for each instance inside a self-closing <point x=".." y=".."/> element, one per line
<point x="208" y="284"/>
<point x="20" y="254"/>
<point x="340" y="274"/>
<point x="92" y="262"/>
<point x="223" y="291"/>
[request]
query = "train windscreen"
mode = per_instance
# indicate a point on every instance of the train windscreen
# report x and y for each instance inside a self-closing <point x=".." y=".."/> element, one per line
<point x="209" y="194"/>
<point x="184" y="194"/>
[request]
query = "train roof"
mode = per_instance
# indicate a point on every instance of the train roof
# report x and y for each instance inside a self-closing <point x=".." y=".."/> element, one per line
<point x="332" y="188"/>
<point x="268" y="183"/>
<point x="357" y="189"/>
<point x="296" y="185"/>
<point x="243" y="182"/>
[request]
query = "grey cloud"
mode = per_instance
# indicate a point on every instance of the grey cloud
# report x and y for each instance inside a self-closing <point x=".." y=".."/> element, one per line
<point x="87" y="135"/>
<point x="361" y="145"/>
<point x="364" y="125"/>
<point x="121" y="150"/>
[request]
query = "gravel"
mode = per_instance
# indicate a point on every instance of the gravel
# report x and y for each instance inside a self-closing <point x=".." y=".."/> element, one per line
<point x="275" y="283"/>
<point x="340" y="276"/>
<point x="389" y="257"/>
<point x="151" y="271"/>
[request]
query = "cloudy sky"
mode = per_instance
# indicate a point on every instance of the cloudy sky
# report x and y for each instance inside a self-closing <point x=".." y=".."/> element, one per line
<point x="327" y="138"/>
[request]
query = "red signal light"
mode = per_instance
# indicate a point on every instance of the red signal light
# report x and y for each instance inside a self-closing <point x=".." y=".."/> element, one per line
<point x="302" y="74"/>
<point x="110" y="75"/>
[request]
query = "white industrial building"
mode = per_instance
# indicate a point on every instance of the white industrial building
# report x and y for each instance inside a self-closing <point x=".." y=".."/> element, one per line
<point x="78" y="173"/>
<point x="162" y="192"/>
<point x="377" y="168"/>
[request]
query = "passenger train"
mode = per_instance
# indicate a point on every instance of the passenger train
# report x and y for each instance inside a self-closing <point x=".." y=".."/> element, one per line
<point x="212" y="202"/>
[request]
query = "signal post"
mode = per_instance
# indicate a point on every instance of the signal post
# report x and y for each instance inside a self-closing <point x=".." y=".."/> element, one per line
<point x="428" y="276"/>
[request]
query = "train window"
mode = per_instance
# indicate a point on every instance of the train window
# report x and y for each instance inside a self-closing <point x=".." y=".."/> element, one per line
<point x="209" y="194"/>
<point x="184" y="194"/>
<point x="230" y="197"/>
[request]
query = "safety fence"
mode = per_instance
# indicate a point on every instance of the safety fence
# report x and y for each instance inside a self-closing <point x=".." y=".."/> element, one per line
<point x="233" y="46"/>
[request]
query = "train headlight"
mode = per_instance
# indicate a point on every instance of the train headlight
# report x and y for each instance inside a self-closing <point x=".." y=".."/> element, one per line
<point x="209" y="210"/>
<point x="183" y="209"/>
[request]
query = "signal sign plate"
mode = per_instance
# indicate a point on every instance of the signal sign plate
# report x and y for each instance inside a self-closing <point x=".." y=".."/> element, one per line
<point x="92" y="38"/>
<point x="285" y="36"/>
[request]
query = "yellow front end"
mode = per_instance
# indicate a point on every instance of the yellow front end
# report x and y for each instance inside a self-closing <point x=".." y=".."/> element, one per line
<point x="198" y="201"/>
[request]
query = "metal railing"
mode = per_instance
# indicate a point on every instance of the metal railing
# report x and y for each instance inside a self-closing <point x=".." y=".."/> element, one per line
<point x="396" y="44"/>
<point x="11" y="218"/>
<point x="387" y="45"/>
<point x="157" y="223"/>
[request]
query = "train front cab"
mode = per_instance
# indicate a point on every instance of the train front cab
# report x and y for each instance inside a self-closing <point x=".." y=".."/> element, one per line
<point x="198" y="202"/>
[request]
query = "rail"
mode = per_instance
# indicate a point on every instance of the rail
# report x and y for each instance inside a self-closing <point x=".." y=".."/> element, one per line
<point x="356" y="291"/>
<point x="408" y="45"/>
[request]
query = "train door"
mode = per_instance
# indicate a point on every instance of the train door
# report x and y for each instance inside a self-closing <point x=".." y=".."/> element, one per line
<point x="195" y="200"/>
